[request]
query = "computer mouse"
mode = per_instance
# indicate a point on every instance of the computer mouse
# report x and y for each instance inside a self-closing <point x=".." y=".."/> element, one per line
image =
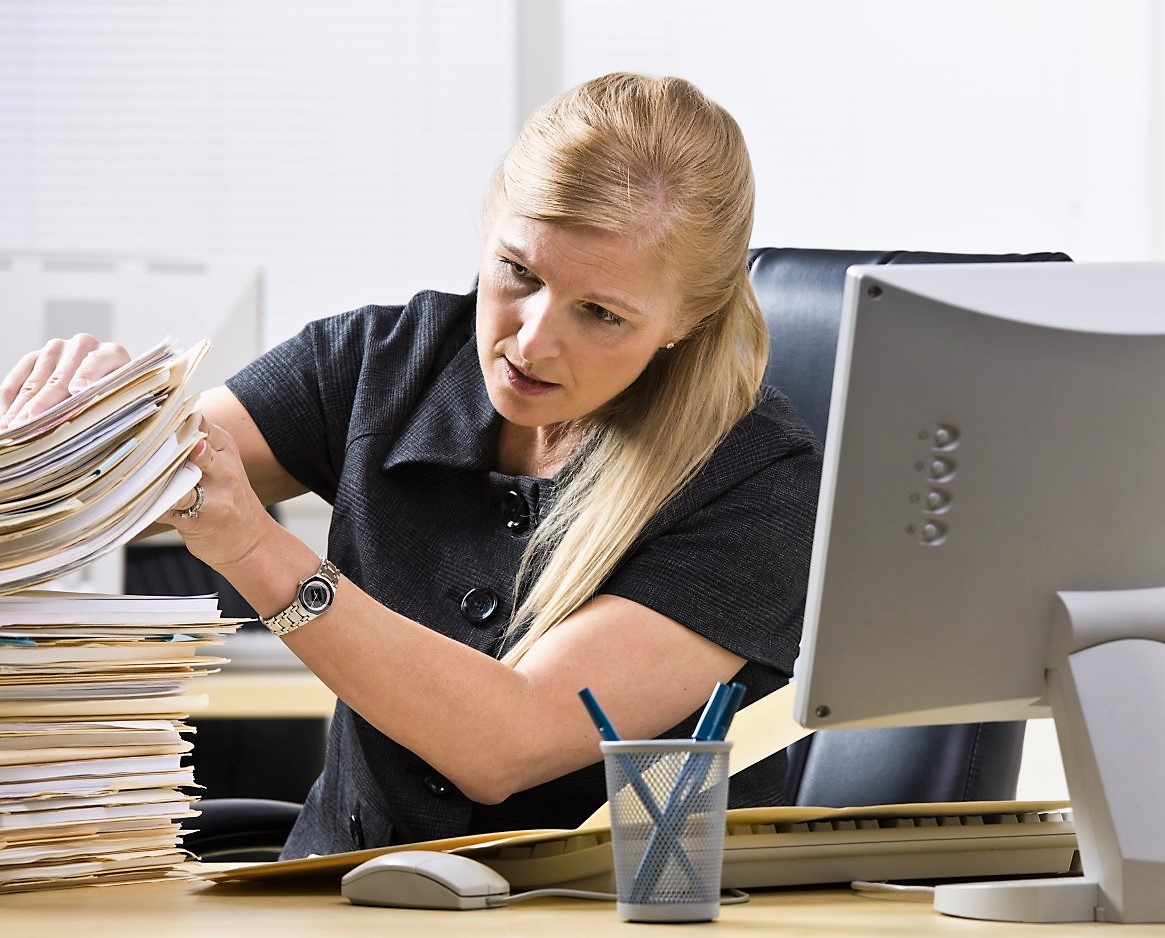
<point x="424" y="879"/>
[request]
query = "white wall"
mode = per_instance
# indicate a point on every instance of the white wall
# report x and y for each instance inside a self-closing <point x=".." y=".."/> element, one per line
<point x="974" y="125"/>
<point x="343" y="145"/>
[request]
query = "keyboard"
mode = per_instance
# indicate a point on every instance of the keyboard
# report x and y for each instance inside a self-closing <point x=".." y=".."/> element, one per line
<point x="841" y="846"/>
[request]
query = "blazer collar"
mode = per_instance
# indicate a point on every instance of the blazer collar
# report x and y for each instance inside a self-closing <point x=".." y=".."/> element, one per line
<point x="454" y="424"/>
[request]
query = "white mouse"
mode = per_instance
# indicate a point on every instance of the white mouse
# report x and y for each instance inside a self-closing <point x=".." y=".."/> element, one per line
<point x="424" y="879"/>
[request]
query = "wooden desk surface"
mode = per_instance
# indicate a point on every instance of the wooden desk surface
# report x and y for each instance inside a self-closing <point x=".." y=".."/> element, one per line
<point x="177" y="909"/>
<point x="264" y="694"/>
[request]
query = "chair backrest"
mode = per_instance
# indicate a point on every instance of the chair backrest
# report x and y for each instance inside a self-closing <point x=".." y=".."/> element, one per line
<point x="800" y="291"/>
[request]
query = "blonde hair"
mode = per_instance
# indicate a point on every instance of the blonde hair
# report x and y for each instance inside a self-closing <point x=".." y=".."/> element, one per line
<point x="655" y="159"/>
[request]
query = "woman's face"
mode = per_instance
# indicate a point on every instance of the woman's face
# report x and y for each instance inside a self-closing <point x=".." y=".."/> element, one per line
<point x="567" y="318"/>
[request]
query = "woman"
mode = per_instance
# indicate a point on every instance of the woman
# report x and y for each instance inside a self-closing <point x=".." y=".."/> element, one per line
<point x="569" y="478"/>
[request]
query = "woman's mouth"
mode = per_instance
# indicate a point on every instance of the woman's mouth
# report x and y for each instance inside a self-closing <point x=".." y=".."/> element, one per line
<point x="525" y="383"/>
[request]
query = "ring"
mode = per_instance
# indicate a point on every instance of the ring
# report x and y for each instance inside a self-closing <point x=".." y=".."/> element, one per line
<point x="199" y="501"/>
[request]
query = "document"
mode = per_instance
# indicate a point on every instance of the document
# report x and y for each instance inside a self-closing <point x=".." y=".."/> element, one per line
<point x="89" y="474"/>
<point x="95" y="770"/>
<point x="95" y="689"/>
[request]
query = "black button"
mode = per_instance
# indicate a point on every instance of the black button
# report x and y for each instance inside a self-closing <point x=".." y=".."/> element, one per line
<point x="356" y="829"/>
<point x="438" y="785"/>
<point x="478" y="604"/>
<point x="515" y="512"/>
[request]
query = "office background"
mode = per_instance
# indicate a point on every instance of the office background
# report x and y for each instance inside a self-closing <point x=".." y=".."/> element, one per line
<point x="343" y="146"/>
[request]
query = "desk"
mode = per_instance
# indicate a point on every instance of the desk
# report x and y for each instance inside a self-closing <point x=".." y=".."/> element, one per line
<point x="264" y="695"/>
<point x="262" y="734"/>
<point x="176" y="909"/>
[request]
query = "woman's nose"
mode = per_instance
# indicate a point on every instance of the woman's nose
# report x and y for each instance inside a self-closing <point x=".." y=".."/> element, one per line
<point x="538" y="335"/>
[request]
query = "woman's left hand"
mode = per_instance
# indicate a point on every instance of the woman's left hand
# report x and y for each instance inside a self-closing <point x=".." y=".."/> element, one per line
<point x="230" y="521"/>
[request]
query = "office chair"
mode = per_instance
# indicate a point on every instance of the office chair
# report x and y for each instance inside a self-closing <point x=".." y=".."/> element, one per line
<point x="800" y="291"/>
<point x="239" y="830"/>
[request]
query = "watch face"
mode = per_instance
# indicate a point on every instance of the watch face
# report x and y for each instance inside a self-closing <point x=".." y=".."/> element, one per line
<point x="316" y="594"/>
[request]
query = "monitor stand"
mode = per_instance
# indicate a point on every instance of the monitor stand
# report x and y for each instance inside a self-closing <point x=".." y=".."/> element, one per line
<point x="1106" y="686"/>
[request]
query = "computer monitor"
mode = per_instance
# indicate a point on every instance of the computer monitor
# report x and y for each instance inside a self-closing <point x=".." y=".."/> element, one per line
<point x="137" y="301"/>
<point x="990" y="543"/>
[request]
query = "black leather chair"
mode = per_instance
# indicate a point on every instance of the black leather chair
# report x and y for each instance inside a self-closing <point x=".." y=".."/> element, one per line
<point x="801" y="291"/>
<point x="239" y="830"/>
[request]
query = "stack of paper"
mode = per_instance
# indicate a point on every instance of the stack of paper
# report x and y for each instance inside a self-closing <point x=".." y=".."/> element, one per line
<point x="93" y="688"/>
<point x="90" y="473"/>
<point x="93" y="694"/>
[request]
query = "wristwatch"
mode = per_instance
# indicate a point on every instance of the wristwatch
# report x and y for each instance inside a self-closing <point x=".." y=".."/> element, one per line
<point x="313" y="598"/>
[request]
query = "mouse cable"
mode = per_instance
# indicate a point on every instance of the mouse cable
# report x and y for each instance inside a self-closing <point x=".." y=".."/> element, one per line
<point x="892" y="890"/>
<point x="729" y="897"/>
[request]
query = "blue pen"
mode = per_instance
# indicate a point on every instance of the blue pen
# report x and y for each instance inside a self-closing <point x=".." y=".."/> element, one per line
<point x="713" y="710"/>
<point x="602" y="723"/>
<point x="736" y="693"/>
<point x="712" y="726"/>
<point x="691" y="779"/>
<point x="635" y="779"/>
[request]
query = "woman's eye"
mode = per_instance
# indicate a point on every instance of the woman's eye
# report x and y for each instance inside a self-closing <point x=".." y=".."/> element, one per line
<point x="605" y="315"/>
<point x="517" y="269"/>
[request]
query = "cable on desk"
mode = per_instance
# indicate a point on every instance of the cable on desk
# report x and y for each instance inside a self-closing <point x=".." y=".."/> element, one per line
<point x="729" y="896"/>
<point x="892" y="890"/>
<point x="494" y="901"/>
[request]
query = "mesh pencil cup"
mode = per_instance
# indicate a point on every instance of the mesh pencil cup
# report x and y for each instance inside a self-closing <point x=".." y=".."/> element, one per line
<point x="669" y="800"/>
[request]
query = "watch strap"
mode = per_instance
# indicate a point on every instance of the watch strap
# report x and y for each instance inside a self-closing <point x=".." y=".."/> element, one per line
<point x="313" y="597"/>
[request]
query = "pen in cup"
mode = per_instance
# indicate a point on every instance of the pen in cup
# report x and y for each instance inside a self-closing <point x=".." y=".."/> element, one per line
<point x="635" y="778"/>
<point x="710" y="717"/>
<point x="711" y="727"/>
<point x="598" y="716"/>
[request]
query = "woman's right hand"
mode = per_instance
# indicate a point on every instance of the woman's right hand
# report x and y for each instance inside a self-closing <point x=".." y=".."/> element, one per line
<point x="47" y="376"/>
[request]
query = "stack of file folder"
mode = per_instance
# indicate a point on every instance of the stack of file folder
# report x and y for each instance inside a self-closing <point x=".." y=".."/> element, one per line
<point x="94" y="688"/>
<point x="98" y="468"/>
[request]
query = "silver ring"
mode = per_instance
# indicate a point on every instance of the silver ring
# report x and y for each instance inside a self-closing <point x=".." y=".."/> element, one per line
<point x="199" y="501"/>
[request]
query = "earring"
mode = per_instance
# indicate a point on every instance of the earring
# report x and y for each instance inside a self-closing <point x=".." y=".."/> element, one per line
<point x="670" y="345"/>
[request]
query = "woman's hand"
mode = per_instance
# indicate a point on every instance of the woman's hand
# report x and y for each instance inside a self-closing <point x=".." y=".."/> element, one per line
<point x="231" y="522"/>
<point x="61" y="368"/>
